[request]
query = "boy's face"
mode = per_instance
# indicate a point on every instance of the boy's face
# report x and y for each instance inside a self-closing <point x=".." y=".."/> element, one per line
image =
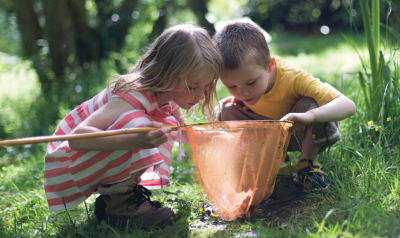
<point x="248" y="82"/>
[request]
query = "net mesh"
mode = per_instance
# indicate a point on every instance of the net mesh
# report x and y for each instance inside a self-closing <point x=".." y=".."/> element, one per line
<point x="236" y="162"/>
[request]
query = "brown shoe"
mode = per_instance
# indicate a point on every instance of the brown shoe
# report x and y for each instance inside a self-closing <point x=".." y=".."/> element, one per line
<point x="131" y="207"/>
<point x="145" y="216"/>
<point x="100" y="207"/>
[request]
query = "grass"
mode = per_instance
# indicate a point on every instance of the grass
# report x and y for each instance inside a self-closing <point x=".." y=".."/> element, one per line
<point x="362" y="200"/>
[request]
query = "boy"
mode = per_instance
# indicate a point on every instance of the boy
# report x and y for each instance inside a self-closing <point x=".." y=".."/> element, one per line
<point x="265" y="87"/>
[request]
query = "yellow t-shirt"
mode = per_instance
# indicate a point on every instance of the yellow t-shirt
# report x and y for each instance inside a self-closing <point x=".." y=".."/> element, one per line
<point x="292" y="83"/>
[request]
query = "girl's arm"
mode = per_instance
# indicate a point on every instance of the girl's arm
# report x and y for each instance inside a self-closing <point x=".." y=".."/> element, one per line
<point x="101" y="119"/>
<point x="177" y="113"/>
<point x="336" y="110"/>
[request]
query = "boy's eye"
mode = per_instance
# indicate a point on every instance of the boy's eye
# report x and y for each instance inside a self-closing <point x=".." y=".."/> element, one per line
<point x="251" y="83"/>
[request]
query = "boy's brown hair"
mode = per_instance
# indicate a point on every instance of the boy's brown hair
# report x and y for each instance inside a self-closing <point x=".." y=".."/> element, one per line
<point x="240" y="43"/>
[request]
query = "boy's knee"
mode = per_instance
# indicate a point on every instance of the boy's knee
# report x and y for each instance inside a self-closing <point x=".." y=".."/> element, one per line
<point x="225" y="112"/>
<point x="305" y="104"/>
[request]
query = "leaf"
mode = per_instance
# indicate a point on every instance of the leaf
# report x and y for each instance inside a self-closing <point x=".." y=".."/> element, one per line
<point x="364" y="89"/>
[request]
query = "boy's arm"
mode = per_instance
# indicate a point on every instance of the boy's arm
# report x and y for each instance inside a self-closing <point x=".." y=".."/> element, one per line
<point x="336" y="110"/>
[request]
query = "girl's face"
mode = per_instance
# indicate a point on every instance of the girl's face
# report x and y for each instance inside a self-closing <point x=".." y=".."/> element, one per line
<point x="186" y="96"/>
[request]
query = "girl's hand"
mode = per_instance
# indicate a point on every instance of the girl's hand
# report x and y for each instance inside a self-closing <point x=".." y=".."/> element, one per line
<point x="300" y="119"/>
<point x="152" y="139"/>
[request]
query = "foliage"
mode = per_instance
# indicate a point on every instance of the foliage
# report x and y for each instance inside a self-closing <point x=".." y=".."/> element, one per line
<point x="307" y="16"/>
<point x="381" y="87"/>
<point x="75" y="46"/>
<point x="10" y="38"/>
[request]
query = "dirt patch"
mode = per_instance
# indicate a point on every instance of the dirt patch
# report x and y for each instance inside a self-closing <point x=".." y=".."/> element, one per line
<point x="271" y="211"/>
<point x="274" y="210"/>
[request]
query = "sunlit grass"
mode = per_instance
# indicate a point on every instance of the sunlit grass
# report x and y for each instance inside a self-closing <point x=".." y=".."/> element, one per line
<point x="18" y="80"/>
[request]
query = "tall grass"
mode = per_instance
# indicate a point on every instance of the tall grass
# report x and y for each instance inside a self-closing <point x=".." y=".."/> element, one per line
<point x="380" y="87"/>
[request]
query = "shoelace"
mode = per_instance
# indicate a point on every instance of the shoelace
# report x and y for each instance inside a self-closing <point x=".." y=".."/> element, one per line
<point x="140" y="195"/>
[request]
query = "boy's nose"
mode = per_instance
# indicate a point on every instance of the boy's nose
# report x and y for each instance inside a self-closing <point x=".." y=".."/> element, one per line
<point x="244" y="92"/>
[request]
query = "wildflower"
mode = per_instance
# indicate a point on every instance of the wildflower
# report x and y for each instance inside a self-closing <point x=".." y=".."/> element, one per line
<point x="377" y="128"/>
<point x="370" y="123"/>
<point x="15" y="214"/>
<point x="7" y="223"/>
<point x="201" y="210"/>
<point x="313" y="136"/>
<point x="389" y="119"/>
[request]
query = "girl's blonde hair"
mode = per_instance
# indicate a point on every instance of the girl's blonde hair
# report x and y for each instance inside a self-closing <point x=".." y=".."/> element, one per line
<point x="177" y="52"/>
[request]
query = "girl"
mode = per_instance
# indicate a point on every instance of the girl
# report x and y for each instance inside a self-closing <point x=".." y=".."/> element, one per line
<point x="179" y="70"/>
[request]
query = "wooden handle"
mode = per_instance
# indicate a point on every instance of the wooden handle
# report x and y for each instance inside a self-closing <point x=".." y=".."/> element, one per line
<point x="43" y="139"/>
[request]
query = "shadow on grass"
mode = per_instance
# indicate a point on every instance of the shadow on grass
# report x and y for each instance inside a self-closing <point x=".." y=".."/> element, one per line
<point x="179" y="227"/>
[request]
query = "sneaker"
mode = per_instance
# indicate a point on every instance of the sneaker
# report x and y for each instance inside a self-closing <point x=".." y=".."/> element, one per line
<point x="311" y="175"/>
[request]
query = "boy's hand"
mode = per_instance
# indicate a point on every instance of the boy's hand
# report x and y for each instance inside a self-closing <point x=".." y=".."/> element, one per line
<point x="234" y="101"/>
<point x="300" y="119"/>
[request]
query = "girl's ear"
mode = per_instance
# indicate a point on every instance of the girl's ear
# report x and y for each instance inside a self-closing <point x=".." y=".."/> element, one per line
<point x="271" y="65"/>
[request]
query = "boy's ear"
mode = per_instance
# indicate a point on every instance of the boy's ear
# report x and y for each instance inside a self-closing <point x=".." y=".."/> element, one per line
<point x="271" y="65"/>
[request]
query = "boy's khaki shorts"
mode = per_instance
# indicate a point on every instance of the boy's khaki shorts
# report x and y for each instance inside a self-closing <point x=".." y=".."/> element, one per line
<point x="324" y="133"/>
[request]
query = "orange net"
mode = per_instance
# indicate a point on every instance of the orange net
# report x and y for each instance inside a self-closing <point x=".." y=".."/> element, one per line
<point x="236" y="162"/>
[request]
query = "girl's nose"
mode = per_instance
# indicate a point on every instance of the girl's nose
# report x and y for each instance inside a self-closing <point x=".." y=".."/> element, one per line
<point x="200" y="94"/>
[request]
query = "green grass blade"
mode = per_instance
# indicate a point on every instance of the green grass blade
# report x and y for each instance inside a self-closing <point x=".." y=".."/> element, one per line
<point x="356" y="50"/>
<point x="365" y="92"/>
<point x="371" y="49"/>
<point x="375" y="25"/>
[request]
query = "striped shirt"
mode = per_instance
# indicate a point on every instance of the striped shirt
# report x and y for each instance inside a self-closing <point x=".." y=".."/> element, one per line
<point x="74" y="175"/>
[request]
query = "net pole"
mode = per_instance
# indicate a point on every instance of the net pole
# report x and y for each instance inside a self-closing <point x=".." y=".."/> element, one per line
<point x="45" y="139"/>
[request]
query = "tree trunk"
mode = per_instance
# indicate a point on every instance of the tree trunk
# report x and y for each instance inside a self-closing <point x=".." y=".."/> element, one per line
<point x="87" y="40"/>
<point x="28" y="24"/>
<point x="60" y="35"/>
<point x="199" y="7"/>
<point x="119" y="29"/>
<point x="158" y="27"/>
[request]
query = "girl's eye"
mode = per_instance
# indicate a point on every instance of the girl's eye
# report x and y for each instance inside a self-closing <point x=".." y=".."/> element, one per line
<point x="190" y="88"/>
<point x="230" y="86"/>
<point x="251" y="83"/>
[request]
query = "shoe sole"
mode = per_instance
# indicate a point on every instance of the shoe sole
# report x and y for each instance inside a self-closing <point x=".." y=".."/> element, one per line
<point x="122" y="221"/>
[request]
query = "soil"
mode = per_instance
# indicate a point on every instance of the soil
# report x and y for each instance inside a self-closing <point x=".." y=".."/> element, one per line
<point x="272" y="210"/>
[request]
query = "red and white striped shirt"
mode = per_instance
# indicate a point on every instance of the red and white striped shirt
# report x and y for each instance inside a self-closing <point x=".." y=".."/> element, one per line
<point x="75" y="175"/>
